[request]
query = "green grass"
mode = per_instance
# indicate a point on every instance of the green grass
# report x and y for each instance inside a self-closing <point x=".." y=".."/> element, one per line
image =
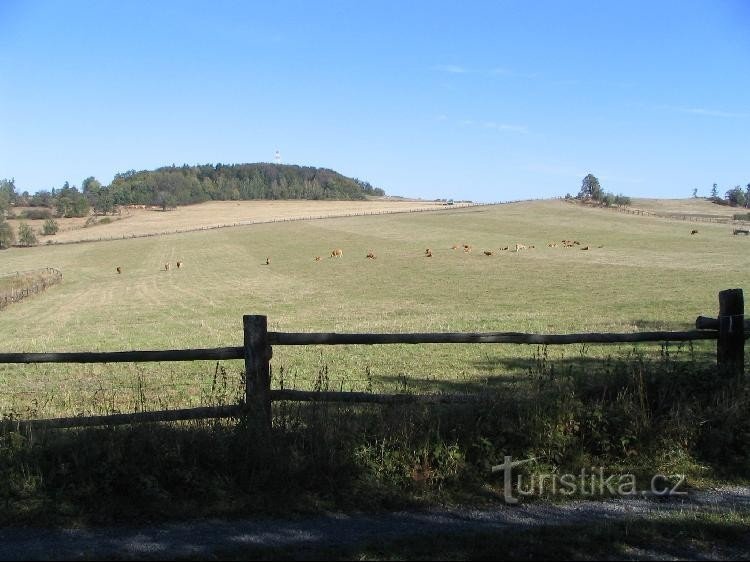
<point x="649" y="274"/>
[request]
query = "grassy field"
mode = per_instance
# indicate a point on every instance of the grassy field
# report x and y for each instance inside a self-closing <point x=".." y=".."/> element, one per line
<point x="640" y="274"/>
<point x="149" y="221"/>
<point x="697" y="206"/>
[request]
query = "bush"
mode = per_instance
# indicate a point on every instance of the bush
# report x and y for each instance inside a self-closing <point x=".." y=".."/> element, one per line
<point x="50" y="227"/>
<point x="26" y="236"/>
<point x="37" y="214"/>
<point x="7" y="238"/>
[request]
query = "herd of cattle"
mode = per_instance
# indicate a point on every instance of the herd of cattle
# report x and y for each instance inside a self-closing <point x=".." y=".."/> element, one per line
<point x="338" y="252"/>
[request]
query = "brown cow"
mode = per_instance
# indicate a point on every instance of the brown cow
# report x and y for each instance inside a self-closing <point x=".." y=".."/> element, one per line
<point x="467" y="248"/>
<point x="428" y="254"/>
<point x="337" y="253"/>
<point x="179" y="264"/>
<point x="585" y="248"/>
<point x="488" y="252"/>
<point x="427" y="251"/>
<point x="693" y="232"/>
<point x="166" y="266"/>
<point x="119" y="270"/>
<point x="317" y="258"/>
<point x="268" y="261"/>
<point x="371" y="255"/>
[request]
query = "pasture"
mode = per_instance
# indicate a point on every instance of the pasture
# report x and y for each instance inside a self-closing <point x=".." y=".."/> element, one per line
<point x="640" y="274"/>
<point x="145" y="221"/>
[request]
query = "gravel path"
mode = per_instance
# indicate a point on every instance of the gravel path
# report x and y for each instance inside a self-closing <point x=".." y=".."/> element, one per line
<point x="212" y="538"/>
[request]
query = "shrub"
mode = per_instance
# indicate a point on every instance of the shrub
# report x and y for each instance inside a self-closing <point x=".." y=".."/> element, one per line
<point x="50" y="227"/>
<point x="26" y="236"/>
<point x="37" y="214"/>
<point x="7" y="238"/>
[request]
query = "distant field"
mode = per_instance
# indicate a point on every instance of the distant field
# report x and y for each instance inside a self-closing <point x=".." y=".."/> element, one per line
<point x="694" y="206"/>
<point x="649" y="274"/>
<point x="149" y="221"/>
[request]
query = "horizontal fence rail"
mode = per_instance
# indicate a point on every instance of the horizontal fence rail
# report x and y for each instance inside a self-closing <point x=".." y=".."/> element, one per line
<point x="286" y="338"/>
<point x="729" y="330"/>
<point x="312" y="338"/>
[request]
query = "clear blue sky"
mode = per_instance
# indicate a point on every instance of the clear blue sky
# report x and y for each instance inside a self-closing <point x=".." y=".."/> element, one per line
<point x="487" y="101"/>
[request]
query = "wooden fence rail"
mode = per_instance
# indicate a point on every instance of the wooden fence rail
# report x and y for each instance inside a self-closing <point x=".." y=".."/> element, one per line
<point x="729" y="329"/>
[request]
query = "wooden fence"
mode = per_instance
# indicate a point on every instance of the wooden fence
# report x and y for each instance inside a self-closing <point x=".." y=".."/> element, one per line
<point x="30" y="283"/>
<point x="729" y="329"/>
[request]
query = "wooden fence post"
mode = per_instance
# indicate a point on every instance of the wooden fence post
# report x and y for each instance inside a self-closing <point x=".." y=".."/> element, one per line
<point x="730" y="347"/>
<point x="257" y="370"/>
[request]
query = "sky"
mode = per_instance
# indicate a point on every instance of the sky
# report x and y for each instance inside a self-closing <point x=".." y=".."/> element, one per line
<point x="485" y="101"/>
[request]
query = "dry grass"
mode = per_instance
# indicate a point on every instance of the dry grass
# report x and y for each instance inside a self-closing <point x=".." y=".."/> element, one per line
<point x="215" y="213"/>
<point x="694" y="206"/>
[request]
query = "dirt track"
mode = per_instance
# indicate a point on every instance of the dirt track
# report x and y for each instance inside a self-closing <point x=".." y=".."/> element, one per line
<point x="216" y="539"/>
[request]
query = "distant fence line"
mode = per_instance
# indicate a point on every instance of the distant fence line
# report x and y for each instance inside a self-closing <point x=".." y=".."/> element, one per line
<point x="40" y="279"/>
<point x="671" y="216"/>
<point x="729" y="329"/>
<point x="269" y="221"/>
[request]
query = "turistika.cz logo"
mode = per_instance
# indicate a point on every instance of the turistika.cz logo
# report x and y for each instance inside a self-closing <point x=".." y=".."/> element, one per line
<point x="591" y="482"/>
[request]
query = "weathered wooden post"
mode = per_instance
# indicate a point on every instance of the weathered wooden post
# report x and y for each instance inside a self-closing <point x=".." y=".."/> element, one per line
<point x="730" y="347"/>
<point x="257" y="370"/>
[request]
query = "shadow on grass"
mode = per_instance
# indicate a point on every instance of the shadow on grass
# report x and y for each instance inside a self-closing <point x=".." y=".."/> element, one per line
<point x="638" y="414"/>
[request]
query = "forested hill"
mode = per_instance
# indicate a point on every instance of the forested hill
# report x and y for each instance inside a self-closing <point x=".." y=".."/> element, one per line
<point x="195" y="184"/>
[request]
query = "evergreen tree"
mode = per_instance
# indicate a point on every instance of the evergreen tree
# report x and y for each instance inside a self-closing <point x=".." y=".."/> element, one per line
<point x="590" y="189"/>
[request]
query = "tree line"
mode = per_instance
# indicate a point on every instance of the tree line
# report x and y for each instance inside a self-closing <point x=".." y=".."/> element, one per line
<point x="170" y="186"/>
<point x="735" y="197"/>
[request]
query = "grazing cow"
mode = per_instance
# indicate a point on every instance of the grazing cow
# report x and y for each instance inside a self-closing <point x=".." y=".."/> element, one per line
<point x="428" y="254"/>
<point x="488" y="252"/>
<point x="741" y="231"/>
<point x="370" y="255"/>
<point x="576" y="243"/>
<point x="337" y="253"/>
<point x="585" y="248"/>
<point x="693" y="232"/>
<point x="179" y="264"/>
<point x="467" y="248"/>
<point x="119" y="270"/>
<point x="520" y="247"/>
<point x="317" y="258"/>
<point x="166" y="266"/>
<point x="427" y="251"/>
<point x="268" y="261"/>
<point x="505" y="249"/>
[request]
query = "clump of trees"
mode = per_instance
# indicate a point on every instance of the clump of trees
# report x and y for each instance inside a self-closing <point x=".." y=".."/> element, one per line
<point x="591" y="190"/>
<point x="170" y="186"/>
<point x="735" y="197"/>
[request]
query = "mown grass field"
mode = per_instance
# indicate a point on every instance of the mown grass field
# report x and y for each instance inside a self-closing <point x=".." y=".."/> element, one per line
<point x="153" y="220"/>
<point x="648" y="274"/>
